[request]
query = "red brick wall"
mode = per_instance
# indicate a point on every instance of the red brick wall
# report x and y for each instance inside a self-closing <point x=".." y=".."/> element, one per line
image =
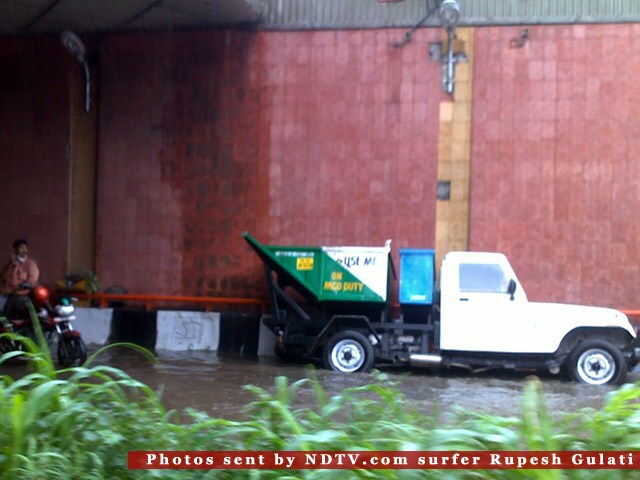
<point x="298" y="137"/>
<point x="556" y="143"/>
<point x="330" y="138"/>
<point x="34" y="134"/>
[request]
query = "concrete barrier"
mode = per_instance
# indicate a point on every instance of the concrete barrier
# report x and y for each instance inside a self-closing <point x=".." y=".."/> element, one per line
<point x="266" y="342"/>
<point x="94" y="324"/>
<point x="181" y="331"/>
<point x="176" y="330"/>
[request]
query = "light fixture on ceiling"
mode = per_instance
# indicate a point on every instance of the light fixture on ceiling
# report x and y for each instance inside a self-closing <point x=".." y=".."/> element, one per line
<point x="72" y="43"/>
<point x="449" y="13"/>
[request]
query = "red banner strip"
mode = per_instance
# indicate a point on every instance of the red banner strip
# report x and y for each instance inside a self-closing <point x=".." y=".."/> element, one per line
<point x="375" y="460"/>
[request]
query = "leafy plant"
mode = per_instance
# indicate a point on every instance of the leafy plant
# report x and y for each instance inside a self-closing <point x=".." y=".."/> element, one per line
<point x="86" y="280"/>
<point x="81" y="422"/>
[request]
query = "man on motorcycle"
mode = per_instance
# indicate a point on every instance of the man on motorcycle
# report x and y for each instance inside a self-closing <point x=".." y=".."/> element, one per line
<point x="18" y="276"/>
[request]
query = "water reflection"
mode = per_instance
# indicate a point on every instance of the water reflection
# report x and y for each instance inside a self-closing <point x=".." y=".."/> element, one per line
<point x="213" y="382"/>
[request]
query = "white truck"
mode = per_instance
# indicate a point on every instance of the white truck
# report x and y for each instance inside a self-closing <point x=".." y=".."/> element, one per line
<point x="331" y="303"/>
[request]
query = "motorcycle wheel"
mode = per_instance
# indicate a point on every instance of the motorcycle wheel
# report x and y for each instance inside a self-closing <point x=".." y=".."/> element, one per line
<point x="72" y="352"/>
<point x="7" y="346"/>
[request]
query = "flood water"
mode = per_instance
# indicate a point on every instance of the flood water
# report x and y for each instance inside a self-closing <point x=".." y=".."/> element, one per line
<point x="213" y="382"/>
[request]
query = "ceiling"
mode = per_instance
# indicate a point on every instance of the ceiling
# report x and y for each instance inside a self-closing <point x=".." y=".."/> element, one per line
<point x="35" y="17"/>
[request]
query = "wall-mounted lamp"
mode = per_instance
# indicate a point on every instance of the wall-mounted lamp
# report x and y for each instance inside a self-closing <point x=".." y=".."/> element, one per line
<point x="449" y="15"/>
<point x="72" y="43"/>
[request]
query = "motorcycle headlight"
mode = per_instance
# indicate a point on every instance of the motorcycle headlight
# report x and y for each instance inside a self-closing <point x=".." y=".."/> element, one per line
<point x="65" y="310"/>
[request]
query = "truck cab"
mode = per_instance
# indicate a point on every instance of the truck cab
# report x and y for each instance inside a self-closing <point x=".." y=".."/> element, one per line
<point x="485" y="313"/>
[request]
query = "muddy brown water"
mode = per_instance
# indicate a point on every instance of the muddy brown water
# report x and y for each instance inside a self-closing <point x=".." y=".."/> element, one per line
<point x="213" y="382"/>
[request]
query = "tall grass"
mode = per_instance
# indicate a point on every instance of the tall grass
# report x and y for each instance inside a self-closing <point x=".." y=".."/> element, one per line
<point x="79" y="423"/>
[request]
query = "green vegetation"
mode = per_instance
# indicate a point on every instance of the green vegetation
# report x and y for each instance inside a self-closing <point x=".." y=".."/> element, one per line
<point x="80" y="423"/>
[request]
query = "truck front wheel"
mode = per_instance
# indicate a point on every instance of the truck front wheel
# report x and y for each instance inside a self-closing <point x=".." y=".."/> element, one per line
<point x="348" y="352"/>
<point x="597" y="362"/>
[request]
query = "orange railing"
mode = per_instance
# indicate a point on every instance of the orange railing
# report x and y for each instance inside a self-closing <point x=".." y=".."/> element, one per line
<point x="634" y="318"/>
<point x="149" y="301"/>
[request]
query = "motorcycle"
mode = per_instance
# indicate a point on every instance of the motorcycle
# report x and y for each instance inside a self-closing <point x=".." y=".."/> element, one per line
<point x="55" y="319"/>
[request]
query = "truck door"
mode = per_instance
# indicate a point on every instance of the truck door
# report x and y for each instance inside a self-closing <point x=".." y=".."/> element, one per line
<point x="479" y="313"/>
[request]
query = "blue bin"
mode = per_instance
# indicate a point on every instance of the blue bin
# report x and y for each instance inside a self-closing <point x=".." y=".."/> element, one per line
<point x="417" y="276"/>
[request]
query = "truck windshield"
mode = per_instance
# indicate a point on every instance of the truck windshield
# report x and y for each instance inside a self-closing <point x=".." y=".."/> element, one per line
<point x="482" y="277"/>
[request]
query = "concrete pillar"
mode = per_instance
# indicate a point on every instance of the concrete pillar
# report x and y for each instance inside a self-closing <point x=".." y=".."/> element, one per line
<point x="454" y="157"/>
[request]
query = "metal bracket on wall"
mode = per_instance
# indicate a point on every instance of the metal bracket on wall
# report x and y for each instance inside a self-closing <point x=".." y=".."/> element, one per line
<point x="448" y="56"/>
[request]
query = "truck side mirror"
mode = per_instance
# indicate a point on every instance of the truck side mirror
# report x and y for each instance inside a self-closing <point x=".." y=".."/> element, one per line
<point x="511" y="289"/>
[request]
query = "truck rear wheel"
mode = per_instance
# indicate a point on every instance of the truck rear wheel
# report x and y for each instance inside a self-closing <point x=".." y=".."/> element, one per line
<point x="348" y="352"/>
<point x="597" y="362"/>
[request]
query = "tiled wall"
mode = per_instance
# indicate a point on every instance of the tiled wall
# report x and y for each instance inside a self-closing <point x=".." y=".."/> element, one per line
<point x="334" y="138"/>
<point x="34" y="155"/>
<point x="556" y="150"/>
<point x="298" y="137"/>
